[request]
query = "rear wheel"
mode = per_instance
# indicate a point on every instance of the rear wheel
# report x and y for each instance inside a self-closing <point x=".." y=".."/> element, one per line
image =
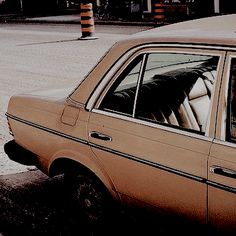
<point x="89" y="196"/>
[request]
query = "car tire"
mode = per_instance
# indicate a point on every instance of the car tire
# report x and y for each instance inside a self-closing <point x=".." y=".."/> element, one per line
<point x="89" y="196"/>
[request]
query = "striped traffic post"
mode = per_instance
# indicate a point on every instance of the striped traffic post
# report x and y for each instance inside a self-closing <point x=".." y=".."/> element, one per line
<point x="159" y="12"/>
<point x="87" y="21"/>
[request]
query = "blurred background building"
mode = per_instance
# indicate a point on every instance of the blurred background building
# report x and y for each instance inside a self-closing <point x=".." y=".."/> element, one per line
<point x="175" y="10"/>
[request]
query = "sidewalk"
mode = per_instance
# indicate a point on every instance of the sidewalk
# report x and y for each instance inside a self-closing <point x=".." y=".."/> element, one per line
<point x="69" y="19"/>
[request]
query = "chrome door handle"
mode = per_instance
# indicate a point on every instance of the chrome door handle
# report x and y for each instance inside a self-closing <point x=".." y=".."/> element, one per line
<point x="223" y="171"/>
<point x="97" y="135"/>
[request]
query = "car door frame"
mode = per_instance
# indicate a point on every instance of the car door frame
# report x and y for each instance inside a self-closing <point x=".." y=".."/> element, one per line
<point x="222" y="163"/>
<point x="101" y="89"/>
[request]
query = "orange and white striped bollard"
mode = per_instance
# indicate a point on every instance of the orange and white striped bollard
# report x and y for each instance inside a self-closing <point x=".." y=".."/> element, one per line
<point x="87" y="21"/>
<point x="159" y="12"/>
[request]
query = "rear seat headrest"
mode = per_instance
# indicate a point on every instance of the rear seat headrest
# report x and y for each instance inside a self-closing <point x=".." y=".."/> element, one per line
<point x="198" y="90"/>
<point x="210" y="75"/>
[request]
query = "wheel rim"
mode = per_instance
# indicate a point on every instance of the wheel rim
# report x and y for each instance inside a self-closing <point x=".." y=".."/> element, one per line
<point x="90" y="199"/>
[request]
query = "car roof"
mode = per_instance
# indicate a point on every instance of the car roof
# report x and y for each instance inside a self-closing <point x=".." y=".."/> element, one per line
<point x="215" y="30"/>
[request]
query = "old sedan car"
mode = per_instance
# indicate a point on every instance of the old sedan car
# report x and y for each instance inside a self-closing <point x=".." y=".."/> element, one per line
<point x="154" y="122"/>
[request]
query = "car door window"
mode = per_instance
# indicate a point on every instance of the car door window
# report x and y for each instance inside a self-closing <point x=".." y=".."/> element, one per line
<point x="231" y="120"/>
<point x="176" y="90"/>
<point x="172" y="89"/>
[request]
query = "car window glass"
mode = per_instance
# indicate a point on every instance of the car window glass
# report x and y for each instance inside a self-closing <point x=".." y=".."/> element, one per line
<point x="121" y="96"/>
<point x="231" y="127"/>
<point x="176" y="90"/>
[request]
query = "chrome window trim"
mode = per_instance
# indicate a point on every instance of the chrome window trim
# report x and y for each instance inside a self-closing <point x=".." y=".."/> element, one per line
<point x="125" y="57"/>
<point x="152" y="48"/>
<point x="221" y="58"/>
<point x="154" y="125"/>
<point x="225" y="143"/>
<point x="113" y="70"/>
<point x="223" y="125"/>
<point x="139" y="82"/>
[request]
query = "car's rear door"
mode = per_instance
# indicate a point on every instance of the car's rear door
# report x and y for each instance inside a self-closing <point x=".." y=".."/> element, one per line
<point x="222" y="160"/>
<point x="149" y="160"/>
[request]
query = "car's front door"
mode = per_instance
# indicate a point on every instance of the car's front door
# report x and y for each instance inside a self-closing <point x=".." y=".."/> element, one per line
<point x="222" y="160"/>
<point x="150" y="129"/>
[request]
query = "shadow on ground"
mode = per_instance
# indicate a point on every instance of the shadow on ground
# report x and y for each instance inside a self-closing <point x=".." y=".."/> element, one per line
<point x="33" y="204"/>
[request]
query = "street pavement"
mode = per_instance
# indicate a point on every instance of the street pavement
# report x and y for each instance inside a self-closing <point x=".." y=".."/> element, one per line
<point x="44" y="56"/>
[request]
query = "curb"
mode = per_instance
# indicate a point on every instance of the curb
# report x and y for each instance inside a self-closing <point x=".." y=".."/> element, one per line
<point x="97" y="22"/>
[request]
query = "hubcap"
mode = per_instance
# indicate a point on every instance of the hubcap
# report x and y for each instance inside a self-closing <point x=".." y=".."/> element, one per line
<point x="87" y="203"/>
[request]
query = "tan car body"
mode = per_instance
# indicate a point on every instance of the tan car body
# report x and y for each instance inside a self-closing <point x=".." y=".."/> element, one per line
<point x="56" y="126"/>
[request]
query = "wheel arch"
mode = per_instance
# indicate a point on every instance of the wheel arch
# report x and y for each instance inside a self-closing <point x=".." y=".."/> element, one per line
<point x="62" y="165"/>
